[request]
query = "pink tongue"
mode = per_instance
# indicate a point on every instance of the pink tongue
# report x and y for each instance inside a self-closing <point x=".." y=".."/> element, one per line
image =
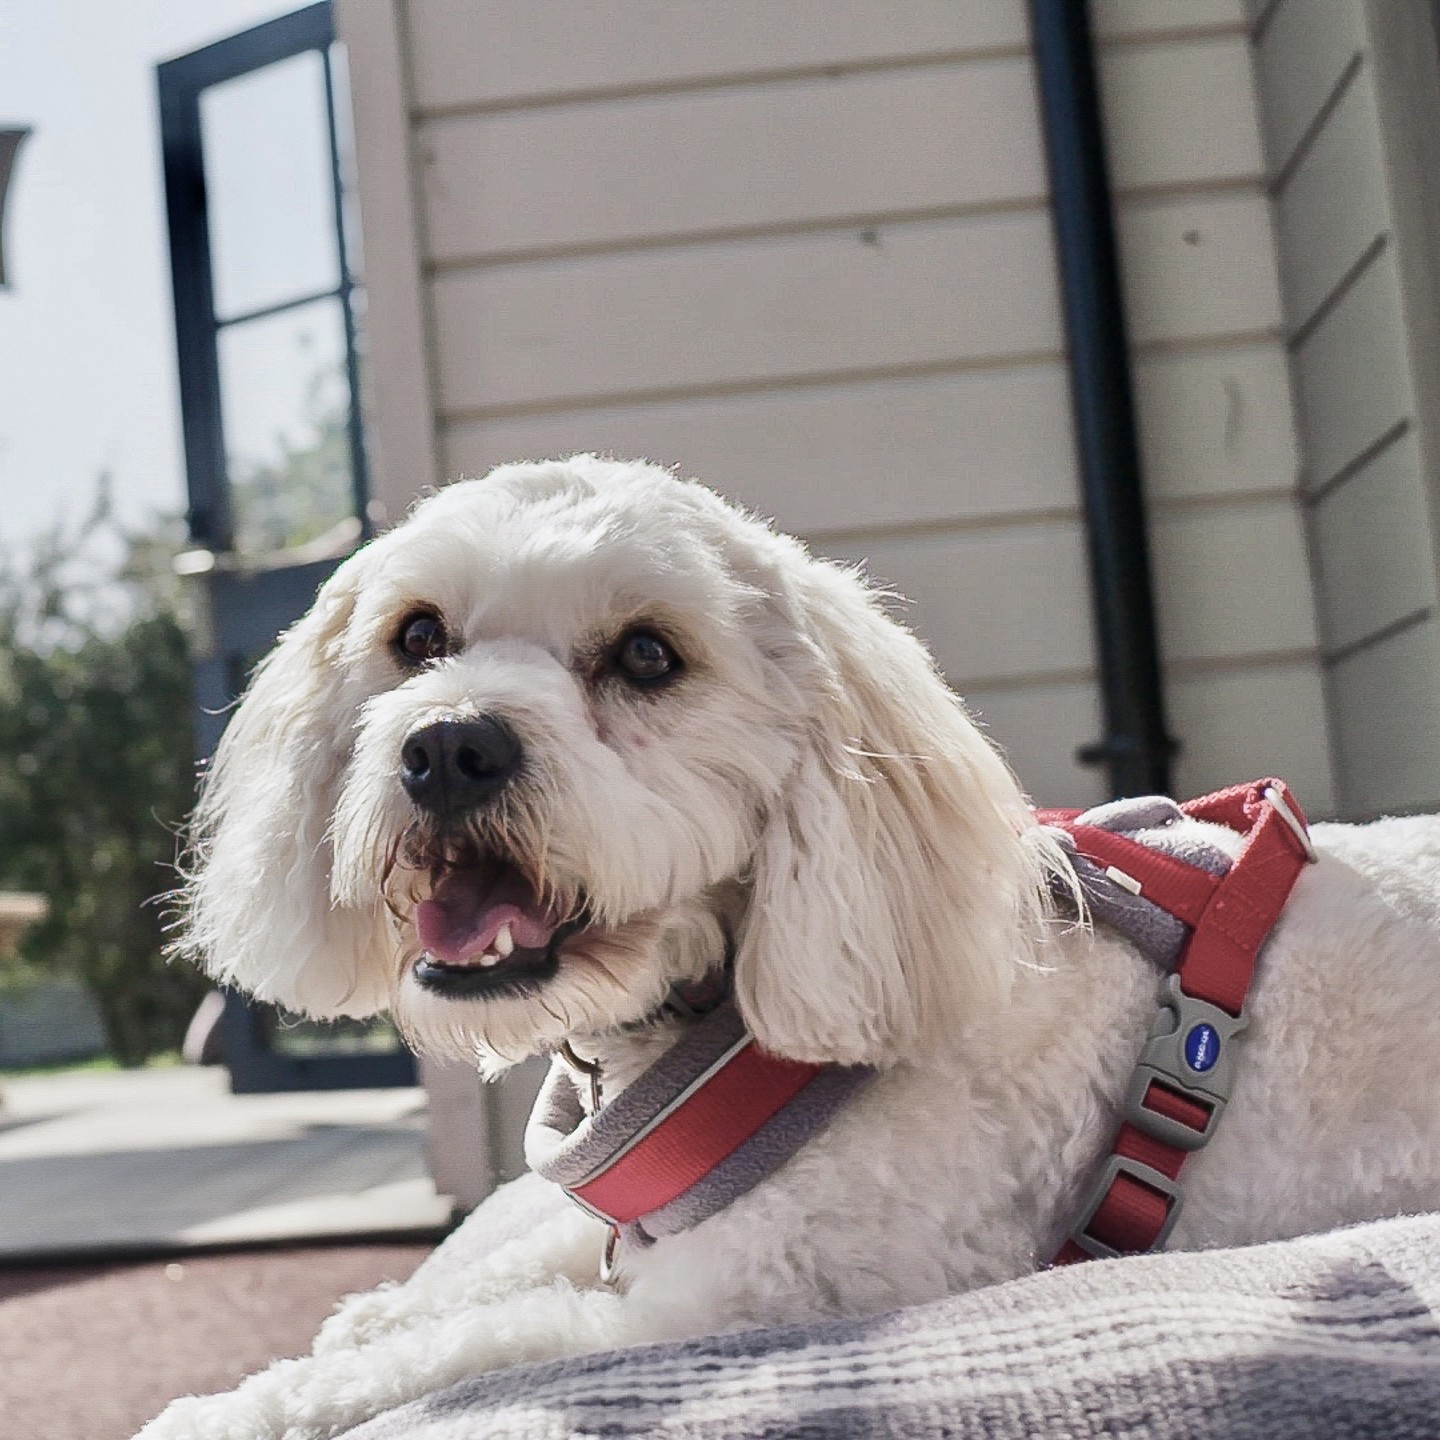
<point x="467" y="909"/>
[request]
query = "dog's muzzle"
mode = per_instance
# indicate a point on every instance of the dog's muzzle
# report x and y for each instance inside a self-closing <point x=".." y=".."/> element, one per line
<point x="484" y="926"/>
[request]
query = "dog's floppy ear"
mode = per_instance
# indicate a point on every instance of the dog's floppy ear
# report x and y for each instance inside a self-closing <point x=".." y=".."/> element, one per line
<point x="256" y="909"/>
<point x="892" y="895"/>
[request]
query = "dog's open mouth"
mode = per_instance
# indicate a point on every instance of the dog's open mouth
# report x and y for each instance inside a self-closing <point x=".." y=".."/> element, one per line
<point x="484" y="929"/>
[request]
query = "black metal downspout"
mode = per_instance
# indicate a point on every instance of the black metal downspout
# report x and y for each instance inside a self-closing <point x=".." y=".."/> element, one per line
<point x="1137" y="747"/>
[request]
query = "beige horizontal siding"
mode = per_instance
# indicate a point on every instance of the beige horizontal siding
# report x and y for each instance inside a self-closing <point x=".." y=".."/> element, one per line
<point x="932" y="448"/>
<point x="754" y="157"/>
<point x="1372" y="548"/>
<point x="1234" y="724"/>
<point x="1178" y="114"/>
<point x="1198" y="266"/>
<point x="1367" y="514"/>
<point x="871" y="454"/>
<point x="1039" y="728"/>
<point x="929" y="293"/>
<point x="473" y="53"/>
<point x="1386" y="719"/>
<point x="996" y="606"/>
<point x="1149" y="19"/>
<point x="761" y="311"/>
<point x="817" y="150"/>
<point x="1246" y="723"/>
<point x="1232" y="582"/>
<point x="493" y="52"/>
<point x="1303" y="52"/>
<point x="1233" y="591"/>
<point x="1215" y="422"/>
<point x="1351" y="373"/>
<point x="1333" y="204"/>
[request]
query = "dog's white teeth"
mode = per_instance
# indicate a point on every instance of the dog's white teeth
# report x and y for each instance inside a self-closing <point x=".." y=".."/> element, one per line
<point x="489" y="958"/>
<point x="504" y="942"/>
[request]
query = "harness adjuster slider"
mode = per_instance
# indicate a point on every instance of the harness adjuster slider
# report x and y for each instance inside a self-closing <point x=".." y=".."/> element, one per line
<point x="1189" y="1053"/>
<point x="1098" y="1191"/>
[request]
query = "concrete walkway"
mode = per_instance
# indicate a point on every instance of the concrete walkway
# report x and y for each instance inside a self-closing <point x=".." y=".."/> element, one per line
<point x="162" y="1160"/>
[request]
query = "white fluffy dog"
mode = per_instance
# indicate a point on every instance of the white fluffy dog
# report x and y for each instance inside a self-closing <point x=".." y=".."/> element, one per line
<point x="701" y="747"/>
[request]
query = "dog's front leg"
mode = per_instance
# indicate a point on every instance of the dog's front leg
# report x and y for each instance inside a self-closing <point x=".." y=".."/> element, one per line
<point x="523" y="1236"/>
<point x="535" y="1297"/>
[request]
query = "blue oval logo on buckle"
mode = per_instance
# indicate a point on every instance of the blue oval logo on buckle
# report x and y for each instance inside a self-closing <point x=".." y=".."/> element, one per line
<point x="1202" y="1047"/>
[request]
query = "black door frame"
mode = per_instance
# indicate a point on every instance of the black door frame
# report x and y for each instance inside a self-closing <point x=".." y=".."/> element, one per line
<point x="246" y="607"/>
<point x="181" y="82"/>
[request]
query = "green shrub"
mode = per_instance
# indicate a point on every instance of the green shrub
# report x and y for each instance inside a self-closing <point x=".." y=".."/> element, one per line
<point x="97" y="769"/>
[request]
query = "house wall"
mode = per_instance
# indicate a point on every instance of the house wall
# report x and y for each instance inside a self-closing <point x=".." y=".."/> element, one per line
<point x="803" y="251"/>
<point x="1355" y="233"/>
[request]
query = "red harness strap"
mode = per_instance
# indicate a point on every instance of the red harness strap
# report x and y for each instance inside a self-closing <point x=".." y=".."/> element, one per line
<point x="1183" y="1079"/>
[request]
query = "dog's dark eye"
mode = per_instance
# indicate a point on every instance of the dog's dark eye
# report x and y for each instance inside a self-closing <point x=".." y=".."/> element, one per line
<point x="644" y="657"/>
<point x="421" y="637"/>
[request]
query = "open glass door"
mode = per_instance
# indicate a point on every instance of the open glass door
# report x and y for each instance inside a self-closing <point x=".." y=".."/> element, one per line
<point x="264" y="254"/>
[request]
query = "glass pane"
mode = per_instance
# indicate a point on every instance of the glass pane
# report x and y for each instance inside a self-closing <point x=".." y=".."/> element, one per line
<point x="268" y="185"/>
<point x="345" y="150"/>
<point x="285" y="405"/>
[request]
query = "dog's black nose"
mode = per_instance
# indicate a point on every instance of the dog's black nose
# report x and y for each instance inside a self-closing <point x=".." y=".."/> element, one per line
<point x="455" y="765"/>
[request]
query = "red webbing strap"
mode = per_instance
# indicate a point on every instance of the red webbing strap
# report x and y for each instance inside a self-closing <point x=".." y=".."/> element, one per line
<point x="1131" y="1208"/>
<point x="1220" y="960"/>
<point x="696" y="1136"/>
<point x="1055" y="817"/>
<point x="1183" y="889"/>
<point x="1217" y="967"/>
<point x="1160" y="1098"/>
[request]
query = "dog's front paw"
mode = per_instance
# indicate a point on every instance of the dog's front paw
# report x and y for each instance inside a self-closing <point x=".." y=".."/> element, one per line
<point x="364" y="1317"/>
<point x="220" y="1417"/>
<point x="285" y="1402"/>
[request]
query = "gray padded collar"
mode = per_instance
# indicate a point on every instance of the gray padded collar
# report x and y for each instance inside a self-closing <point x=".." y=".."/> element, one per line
<point x="1158" y="823"/>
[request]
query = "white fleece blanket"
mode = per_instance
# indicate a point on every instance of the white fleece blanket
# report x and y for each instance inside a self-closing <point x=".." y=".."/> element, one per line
<point x="1334" y="1335"/>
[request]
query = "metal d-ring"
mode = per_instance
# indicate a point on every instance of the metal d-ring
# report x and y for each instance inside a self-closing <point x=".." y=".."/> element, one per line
<point x="607" y="1256"/>
<point x="588" y="1068"/>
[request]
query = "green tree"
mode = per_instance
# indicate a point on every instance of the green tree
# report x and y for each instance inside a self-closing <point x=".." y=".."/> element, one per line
<point x="97" y="767"/>
<point x="97" y="759"/>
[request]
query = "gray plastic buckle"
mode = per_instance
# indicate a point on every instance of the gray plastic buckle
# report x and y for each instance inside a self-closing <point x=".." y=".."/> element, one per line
<point x="1115" y="1166"/>
<point x="1189" y="1052"/>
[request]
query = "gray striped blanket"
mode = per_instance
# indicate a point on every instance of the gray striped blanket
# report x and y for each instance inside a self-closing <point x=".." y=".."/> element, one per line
<point x="1333" y="1335"/>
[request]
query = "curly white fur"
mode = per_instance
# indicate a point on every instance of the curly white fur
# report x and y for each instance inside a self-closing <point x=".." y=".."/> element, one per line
<point x="810" y="793"/>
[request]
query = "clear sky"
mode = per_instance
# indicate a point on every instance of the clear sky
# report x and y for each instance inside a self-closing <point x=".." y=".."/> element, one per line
<point x="87" y="368"/>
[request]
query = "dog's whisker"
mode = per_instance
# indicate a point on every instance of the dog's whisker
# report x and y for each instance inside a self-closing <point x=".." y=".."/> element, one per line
<point x="552" y="1013"/>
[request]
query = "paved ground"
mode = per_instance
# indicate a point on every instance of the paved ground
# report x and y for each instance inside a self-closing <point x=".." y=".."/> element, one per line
<point x="169" y="1159"/>
<point x="167" y="1163"/>
<point x="90" y="1353"/>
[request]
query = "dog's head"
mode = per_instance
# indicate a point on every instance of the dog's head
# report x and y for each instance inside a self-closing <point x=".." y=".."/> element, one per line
<point x="578" y="731"/>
